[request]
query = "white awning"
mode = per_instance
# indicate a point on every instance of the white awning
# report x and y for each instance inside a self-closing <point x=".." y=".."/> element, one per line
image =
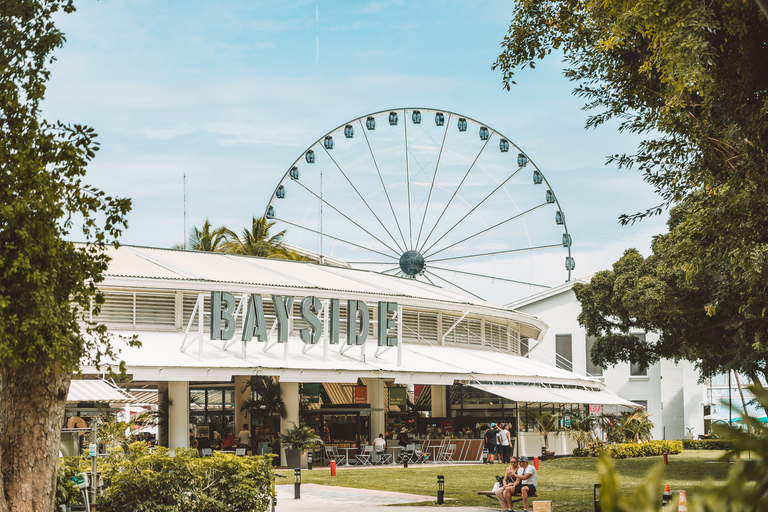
<point x="96" y="390"/>
<point x="554" y="395"/>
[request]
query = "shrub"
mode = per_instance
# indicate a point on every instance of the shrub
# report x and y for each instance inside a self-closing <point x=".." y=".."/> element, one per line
<point x="140" y="481"/>
<point x="707" y="444"/>
<point x="581" y="452"/>
<point x="649" y="449"/>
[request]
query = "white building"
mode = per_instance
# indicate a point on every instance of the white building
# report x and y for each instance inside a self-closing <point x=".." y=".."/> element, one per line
<point x="669" y="391"/>
<point x="464" y="351"/>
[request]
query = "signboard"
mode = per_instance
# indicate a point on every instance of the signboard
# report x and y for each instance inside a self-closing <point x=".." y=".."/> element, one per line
<point x="310" y="393"/>
<point x="398" y="396"/>
<point x="361" y="395"/>
<point x="595" y="410"/>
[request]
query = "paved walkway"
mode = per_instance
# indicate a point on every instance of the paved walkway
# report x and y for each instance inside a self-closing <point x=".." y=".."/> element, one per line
<point x="325" y="498"/>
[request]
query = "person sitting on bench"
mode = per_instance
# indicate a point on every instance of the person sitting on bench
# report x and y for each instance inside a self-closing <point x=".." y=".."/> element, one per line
<point x="508" y="484"/>
<point x="528" y="480"/>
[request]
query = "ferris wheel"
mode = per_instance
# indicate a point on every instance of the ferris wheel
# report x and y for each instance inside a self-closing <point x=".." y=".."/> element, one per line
<point x="430" y="195"/>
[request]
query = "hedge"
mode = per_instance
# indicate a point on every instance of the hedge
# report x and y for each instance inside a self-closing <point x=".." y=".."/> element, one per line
<point x="628" y="450"/>
<point x="707" y="444"/>
<point x="162" y="481"/>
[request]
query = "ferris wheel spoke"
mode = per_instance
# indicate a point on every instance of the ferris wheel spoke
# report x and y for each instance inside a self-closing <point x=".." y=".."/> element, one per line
<point x="390" y="269"/>
<point x="434" y="177"/>
<point x="370" y="263"/>
<point x="495" y="278"/>
<point x="386" y="192"/>
<point x="346" y="217"/>
<point x="478" y="205"/>
<point x="453" y="196"/>
<point x="362" y="199"/>
<point x="453" y="284"/>
<point x="519" y="215"/>
<point x="408" y="181"/>
<point x="494" y="253"/>
<point x="305" y="228"/>
<point x="428" y="279"/>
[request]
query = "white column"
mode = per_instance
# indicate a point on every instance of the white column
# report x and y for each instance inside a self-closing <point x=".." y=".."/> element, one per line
<point x="291" y="399"/>
<point x="178" y="416"/>
<point x="376" y="397"/>
<point x="438" y="401"/>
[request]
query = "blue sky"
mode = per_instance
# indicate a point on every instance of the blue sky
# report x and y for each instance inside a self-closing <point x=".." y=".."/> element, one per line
<point x="232" y="93"/>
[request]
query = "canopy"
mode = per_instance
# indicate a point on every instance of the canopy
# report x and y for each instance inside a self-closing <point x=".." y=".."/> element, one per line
<point x="542" y="394"/>
<point x="96" y="390"/>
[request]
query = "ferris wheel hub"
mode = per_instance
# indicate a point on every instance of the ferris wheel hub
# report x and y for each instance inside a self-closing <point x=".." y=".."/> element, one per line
<point x="412" y="263"/>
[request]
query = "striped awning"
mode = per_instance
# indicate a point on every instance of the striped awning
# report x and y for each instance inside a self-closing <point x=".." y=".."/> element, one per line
<point x="97" y="390"/>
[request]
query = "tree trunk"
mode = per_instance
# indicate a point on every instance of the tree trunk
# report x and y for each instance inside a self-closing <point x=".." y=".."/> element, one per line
<point x="31" y="417"/>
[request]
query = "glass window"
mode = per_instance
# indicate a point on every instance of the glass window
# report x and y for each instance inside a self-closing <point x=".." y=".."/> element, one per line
<point x="643" y="403"/>
<point x="563" y="352"/>
<point x="229" y="399"/>
<point x="635" y="370"/>
<point x="197" y="399"/>
<point x="592" y="369"/>
<point x="215" y="398"/>
<point x="524" y="346"/>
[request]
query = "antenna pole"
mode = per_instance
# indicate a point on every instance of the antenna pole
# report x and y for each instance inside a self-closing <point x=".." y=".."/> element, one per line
<point x="185" y="211"/>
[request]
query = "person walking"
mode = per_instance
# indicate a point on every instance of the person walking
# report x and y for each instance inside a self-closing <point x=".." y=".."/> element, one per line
<point x="506" y="443"/>
<point x="490" y="442"/>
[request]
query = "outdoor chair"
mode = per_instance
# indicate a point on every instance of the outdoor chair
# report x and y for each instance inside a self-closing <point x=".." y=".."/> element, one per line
<point x="364" y="458"/>
<point x="446" y="454"/>
<point x="332" y="453"/>
<point x="240" y="452"/>
<point x="206" y="452"/>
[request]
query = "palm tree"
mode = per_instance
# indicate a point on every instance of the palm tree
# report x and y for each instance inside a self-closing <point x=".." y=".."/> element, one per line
<point x="544" y="424"/>
<point x="637" y="426"/>
<point x="257" y="241"/>
<point x="265" y="398"/>
<point x="582" y="428"/>
<point x="207" y="239"/>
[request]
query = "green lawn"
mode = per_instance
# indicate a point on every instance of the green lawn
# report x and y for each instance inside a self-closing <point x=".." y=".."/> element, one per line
<point x="568" y="482"/>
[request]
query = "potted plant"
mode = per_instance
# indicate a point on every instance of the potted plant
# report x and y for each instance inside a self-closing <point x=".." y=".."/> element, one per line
<point x="297" y="441"/>
<point x="544" y="424"/>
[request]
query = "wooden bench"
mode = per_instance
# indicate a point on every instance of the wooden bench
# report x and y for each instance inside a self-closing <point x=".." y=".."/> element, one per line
<point x="492" y="494"/>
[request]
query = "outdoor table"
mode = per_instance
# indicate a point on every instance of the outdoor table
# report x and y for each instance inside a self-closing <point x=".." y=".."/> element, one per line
<point x="347" y="454"/>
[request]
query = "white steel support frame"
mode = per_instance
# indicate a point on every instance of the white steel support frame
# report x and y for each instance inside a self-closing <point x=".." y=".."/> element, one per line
<point x="464" y="314"/>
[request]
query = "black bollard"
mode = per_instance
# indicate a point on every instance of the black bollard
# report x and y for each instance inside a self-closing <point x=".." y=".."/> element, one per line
<point x="440" y="489"/>
<point x="310" y="459"/>
<point x="297" y="484"/>
<point x="598" y="505"/>
<point x="405" y="460"/>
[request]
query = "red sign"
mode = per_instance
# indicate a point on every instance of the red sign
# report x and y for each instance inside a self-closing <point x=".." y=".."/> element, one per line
<point x="595" y="409"/>
<point x="361" y="395"/>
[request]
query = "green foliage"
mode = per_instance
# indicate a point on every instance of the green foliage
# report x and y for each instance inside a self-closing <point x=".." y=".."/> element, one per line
<point x="266" y="398"/>
<point x="647" y="449"/>
<point x="582" y="429"/>
<point x="299" y="438"/>
<point x="581" y="452"/>
<point x="691" y="77"/>
<point x="707" y="444"/>
<point x="41" y="193"/>
<point x="544" y="424"/>
<point x="745" y="490"/>
<point x="66" y="492"/>
<point x="160" y="481"/>
<point x="208" y="238"/>
<point x="257" y="241"/>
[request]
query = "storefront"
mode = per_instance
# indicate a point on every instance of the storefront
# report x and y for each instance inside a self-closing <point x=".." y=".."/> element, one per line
<point x="348" y="348"/>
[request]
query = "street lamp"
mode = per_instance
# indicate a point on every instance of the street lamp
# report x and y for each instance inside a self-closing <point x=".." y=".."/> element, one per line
<point x="297" y="483"/>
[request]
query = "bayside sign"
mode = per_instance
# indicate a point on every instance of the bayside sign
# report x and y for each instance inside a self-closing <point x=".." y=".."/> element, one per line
<point x="224" y="310"/>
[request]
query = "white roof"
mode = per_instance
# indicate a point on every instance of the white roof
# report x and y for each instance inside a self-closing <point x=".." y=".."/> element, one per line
<point x="549" y="292"/>
<point x="96" y="390"/>
<point x="160" y="358"/>
<point x="196" y="270"/>
<point x="555" y="395"/>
